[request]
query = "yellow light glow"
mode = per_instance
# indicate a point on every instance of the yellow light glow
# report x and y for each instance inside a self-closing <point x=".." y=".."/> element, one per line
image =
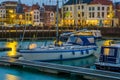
<point x="20" y="16"/>
<point x="11" y="77"/>
<point x="93" y="22"/>
<point x="108" y="16"/>
<point x="106" y="51"/>
<point x="108" y="42"/>
<point x="12" y="16"/>
<point x="32" y="46"/>
<point x="11" y="11"/>
<point x="13" y="46"/>
<point x="31" y="12"/>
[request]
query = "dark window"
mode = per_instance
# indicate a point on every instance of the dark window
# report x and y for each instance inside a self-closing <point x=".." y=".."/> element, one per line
<point x="93" y="8"/>
<point x="102" y="8"/>
<point x="89" y="8"/>
<point x="93" y="14"/>
<point x="108" y="8"/>
<point x="90" y="14"/>
<point x="98" y="8"/>
<point x="67" y="9"/>
<point x="109" y="52"/>
<point x="98" y="14"/>
<point x="82" y="7"/>
<point x="82" y="14"/>
<point x="78" y="7"/>
<point x="103" y="14"/>
<point x="78" y="14"/>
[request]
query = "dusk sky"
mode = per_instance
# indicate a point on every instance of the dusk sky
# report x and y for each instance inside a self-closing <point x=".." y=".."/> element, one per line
<point x="29" y="2"/>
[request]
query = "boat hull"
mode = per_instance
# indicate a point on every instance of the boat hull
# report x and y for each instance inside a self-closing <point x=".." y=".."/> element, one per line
<point x="108" y="67"/>
<point x="53" y="55"/>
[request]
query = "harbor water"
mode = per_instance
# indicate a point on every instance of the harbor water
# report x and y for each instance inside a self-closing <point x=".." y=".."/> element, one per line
<point x="8" y="73"/>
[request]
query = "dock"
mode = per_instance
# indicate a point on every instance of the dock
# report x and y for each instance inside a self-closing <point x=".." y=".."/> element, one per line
<point x="57" y="68"/>
<point x="5" y="49"/>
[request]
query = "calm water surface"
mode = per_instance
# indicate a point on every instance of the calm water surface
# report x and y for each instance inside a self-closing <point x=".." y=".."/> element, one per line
<point x="7" y="73"/>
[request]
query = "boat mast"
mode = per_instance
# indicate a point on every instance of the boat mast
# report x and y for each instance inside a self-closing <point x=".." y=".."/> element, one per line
<point x="57" y="29"/>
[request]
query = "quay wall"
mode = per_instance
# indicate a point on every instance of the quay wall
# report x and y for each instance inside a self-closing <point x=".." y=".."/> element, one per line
<point x="32" y="32"/>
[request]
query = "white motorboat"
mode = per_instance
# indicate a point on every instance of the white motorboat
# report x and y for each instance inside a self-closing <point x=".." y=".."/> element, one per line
<point x="95" y="33"/>
<point x="109" y="57"/>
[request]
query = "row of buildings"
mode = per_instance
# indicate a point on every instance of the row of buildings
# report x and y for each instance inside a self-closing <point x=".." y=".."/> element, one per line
<point x="14" y="12"/>
<point x="72" y="13"/>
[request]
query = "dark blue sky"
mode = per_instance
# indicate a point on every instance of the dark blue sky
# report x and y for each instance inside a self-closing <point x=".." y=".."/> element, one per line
<point x="29" y="2"/>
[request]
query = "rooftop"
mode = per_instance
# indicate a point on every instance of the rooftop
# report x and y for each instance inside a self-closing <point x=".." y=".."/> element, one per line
<point x="71" y="2"/>
<point x="102" y="2"/>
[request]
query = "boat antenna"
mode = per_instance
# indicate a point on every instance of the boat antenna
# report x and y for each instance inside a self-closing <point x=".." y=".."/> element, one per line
<point x="57" y="33"/>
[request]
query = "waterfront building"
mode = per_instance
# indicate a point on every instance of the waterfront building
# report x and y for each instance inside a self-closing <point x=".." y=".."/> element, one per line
<point x="89" y="13"/>
<point x="28" y="15"/>
<point x="117" y="11"/>
<point x="49" y="15"/>
<point x="42" y="11"/>
<point x="35" y="14"/>
<point x="2" y="14"/>
<point x="32" y="14"/>
<point x="10" y="7"/>
<point x="75" y="12"/>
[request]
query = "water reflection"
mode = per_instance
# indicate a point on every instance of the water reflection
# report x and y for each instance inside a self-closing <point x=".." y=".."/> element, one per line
<point x="83" y="62"/>
<point x="11" y="77"/>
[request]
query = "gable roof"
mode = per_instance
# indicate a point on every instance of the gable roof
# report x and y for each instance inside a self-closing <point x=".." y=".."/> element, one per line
<point x="50" y="8"/>
<point x="71" y="2"/>
<point x="102" y="2"/>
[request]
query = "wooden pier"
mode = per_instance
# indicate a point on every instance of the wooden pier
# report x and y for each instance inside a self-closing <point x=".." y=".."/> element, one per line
<point x="57" y="68"/>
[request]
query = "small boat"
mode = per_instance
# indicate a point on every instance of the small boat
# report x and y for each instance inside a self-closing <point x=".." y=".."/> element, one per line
<point x="76" y="47"/>
<point x="95" y="33"/>
<point x="109" y="57"/>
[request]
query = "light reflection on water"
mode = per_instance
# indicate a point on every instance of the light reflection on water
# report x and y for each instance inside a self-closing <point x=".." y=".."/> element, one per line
<point x="12" y="77"/>
<point x="20" y="74"/>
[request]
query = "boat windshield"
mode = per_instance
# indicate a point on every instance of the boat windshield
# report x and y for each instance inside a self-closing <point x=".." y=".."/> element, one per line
<point x="109" y="51"/>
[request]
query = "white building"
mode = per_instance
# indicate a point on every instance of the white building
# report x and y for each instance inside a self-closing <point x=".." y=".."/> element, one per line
<point x="36" y="17"/>
<point x="89" y="14"/>
<point x="2" y="14"/>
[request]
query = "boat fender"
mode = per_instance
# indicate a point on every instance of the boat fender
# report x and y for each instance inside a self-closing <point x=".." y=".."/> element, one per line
<point x="87" y="51"/>
<point x="61" y="56"/>
<point x="73" y="53"/>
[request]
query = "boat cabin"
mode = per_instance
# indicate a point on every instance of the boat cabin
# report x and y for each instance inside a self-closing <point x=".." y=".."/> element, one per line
<point x="110" y="54"/>
<point x="81" y="40"/>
